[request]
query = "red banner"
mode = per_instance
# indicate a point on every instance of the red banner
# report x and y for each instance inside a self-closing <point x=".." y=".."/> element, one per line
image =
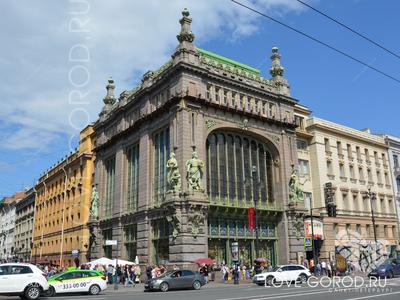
<point x="250" y="218"/>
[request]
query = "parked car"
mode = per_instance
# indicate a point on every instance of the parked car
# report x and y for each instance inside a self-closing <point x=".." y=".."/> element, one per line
<point x="389" y="269"/>
<point x="24" y="280"/>
<point x="77" y="281"/>
<point x="179" y="279"/>
<point x="285" y="273"/>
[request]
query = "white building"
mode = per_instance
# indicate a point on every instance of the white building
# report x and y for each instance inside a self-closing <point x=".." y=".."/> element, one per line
<point x="7" y="225"/>
<point x="394" y="161"/>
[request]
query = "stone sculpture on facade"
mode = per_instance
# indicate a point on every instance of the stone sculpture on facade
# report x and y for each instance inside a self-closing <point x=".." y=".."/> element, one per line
<point x="176" y="226"/>
<point x="173" y="176"/>
<point x="295" y="192"/>
<point x="94" y="204"/>
<point x="196" y="217"/>
<point x="194" y="172"/>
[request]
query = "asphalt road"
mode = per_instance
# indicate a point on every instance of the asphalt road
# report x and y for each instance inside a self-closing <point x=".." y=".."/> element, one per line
<point x="214" y="291"/>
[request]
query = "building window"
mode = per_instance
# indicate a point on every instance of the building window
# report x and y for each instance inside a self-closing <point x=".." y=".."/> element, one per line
<point x="217" y="96"/>
<point x="161" y="153"/>
<point x="335" y="228"/>
<point x="349" y="151"/>
<point x="395" y="161"/>
<point x="351" y="171"/>
<point x="272" y="110"/>
<point x="208" y="92"/>
<point x="358" y="152"/>
<point x="367" y="230"/>
<point x="379" y="177"/>
<point x="230" y="159"/>
<point x="304" y="168"/>
<point x="110" y="185"/>
<point x="132" y="155"/>
<point x="397" y="183"/>
<point x="339" y="148"/>
<point x="107" y="235"/>
<point x="361" y="173"/>
<point x="376" y="158"/>
<point x="327" y="145"/>
<point x="160" y="238"/>
<point x="387" y="178"/>
<point x="358" y="228"/>
<point x="369" y="174"/>
<point x="302" y="144"/>
<point x="383" y="206"/>
<point x="345" y="201"/>
<point x="233" y="99"/>
<point x="348" y="228"/>
<point x="366" y="151"/>
<point x="241" y="101"/>
<point x="225" y="97"/>
<point x="130" y="241"/>
<point x="385" y="230"/>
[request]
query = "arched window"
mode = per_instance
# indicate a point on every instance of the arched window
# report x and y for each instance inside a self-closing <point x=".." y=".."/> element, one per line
<point x="238" y="167"/>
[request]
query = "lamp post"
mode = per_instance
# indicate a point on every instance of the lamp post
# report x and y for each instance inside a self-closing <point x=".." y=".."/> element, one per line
<point x="255" y="199"/>
<point x="372" y="196"/>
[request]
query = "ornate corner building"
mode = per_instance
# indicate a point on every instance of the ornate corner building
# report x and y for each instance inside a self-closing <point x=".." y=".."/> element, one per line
<point x="181" y="157"/>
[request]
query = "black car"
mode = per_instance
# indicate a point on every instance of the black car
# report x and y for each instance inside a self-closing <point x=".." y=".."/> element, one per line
<point x="178" y="279"/>
<point x="388" y="269"/>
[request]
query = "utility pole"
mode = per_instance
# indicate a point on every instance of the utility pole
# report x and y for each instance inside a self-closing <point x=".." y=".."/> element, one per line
<point x="371" y="197"/>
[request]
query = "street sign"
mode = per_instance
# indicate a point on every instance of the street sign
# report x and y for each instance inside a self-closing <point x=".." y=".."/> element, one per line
<point x="307" y="242"/>
<point x="111" y="242"/>
<point x="75" y="253"/>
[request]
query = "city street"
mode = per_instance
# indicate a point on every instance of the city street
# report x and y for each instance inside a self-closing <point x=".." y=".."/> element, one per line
<point x="216" y="291"/>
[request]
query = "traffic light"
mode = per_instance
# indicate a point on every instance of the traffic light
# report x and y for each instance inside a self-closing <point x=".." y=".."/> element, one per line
<point x="331" y="208"/>
<point x="329" y="201"/>
<point x="328" y="193"/>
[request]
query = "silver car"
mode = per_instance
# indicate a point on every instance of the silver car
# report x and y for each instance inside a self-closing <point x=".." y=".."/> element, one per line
<point x="179" y="279"/>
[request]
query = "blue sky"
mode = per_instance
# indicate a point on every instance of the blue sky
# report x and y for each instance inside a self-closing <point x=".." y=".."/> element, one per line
<point x="39" y="123"/>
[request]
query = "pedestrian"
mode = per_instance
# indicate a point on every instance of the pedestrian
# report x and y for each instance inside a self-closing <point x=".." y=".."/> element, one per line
<point x="323" y="267"/>
<point x="312" y="267"/>
<point x="149" y="270"/>
<point x="110" y="272"/>
<point x="223" y="274"/>
<point x="138" y="273"/>
<point x="318" y="268"/>
<point x="329" y="269"/>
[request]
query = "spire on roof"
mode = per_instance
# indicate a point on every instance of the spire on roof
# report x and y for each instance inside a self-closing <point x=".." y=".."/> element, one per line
<point x="110" y="98"/>
<point x="186" y="34"/>
<point x="276" y="69"/>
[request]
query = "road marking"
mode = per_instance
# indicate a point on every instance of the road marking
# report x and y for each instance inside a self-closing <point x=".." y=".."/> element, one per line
<point x="280" y="295"/>
<point x="373" y="296"/>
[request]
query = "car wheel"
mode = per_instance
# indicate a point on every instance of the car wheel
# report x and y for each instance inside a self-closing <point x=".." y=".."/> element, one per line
<point x="269" y="280"/>
<point x="32" y="292"/>
<point x="164" y="287"/>
<point x="302" y="278"/>
<point x="94" y="289"/>
<point x="51" y="292"/>
<point x="196" y="285"/>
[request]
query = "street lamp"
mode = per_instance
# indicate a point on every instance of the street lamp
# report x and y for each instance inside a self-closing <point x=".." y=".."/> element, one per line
<point x="372" y="196"/>
<point x="255" y="199"/>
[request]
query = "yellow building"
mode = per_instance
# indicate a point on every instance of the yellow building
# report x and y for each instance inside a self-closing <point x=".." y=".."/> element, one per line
<point x="62" y="207"/>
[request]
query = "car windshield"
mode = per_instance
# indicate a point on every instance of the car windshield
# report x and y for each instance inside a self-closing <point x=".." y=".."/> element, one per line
<point x="273" y="270"/>
<point x="168" y="273"/>
<point x="388" y="261"/>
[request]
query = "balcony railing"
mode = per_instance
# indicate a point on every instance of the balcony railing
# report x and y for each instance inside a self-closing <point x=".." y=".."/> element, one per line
<point x="242" y="203"/>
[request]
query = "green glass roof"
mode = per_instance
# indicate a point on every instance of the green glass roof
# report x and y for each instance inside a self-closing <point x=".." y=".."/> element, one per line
<point x="228" y="61"/>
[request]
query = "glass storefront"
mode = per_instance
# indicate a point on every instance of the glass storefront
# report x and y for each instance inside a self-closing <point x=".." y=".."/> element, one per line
<point x="223" y="231"/>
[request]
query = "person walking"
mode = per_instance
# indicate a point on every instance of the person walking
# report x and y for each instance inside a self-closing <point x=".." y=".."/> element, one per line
<point x="323" y="268"/>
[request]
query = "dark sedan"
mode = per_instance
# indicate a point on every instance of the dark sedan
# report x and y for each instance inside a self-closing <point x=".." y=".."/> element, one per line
<point x="179" y="279"/>
<point x="388" y="269"/>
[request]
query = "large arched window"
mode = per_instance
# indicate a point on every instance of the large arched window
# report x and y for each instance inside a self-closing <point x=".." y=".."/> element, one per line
<point x="238" y="168"/>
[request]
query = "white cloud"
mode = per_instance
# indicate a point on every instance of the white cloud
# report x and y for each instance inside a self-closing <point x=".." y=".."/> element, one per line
<point x="124" y="39"/>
